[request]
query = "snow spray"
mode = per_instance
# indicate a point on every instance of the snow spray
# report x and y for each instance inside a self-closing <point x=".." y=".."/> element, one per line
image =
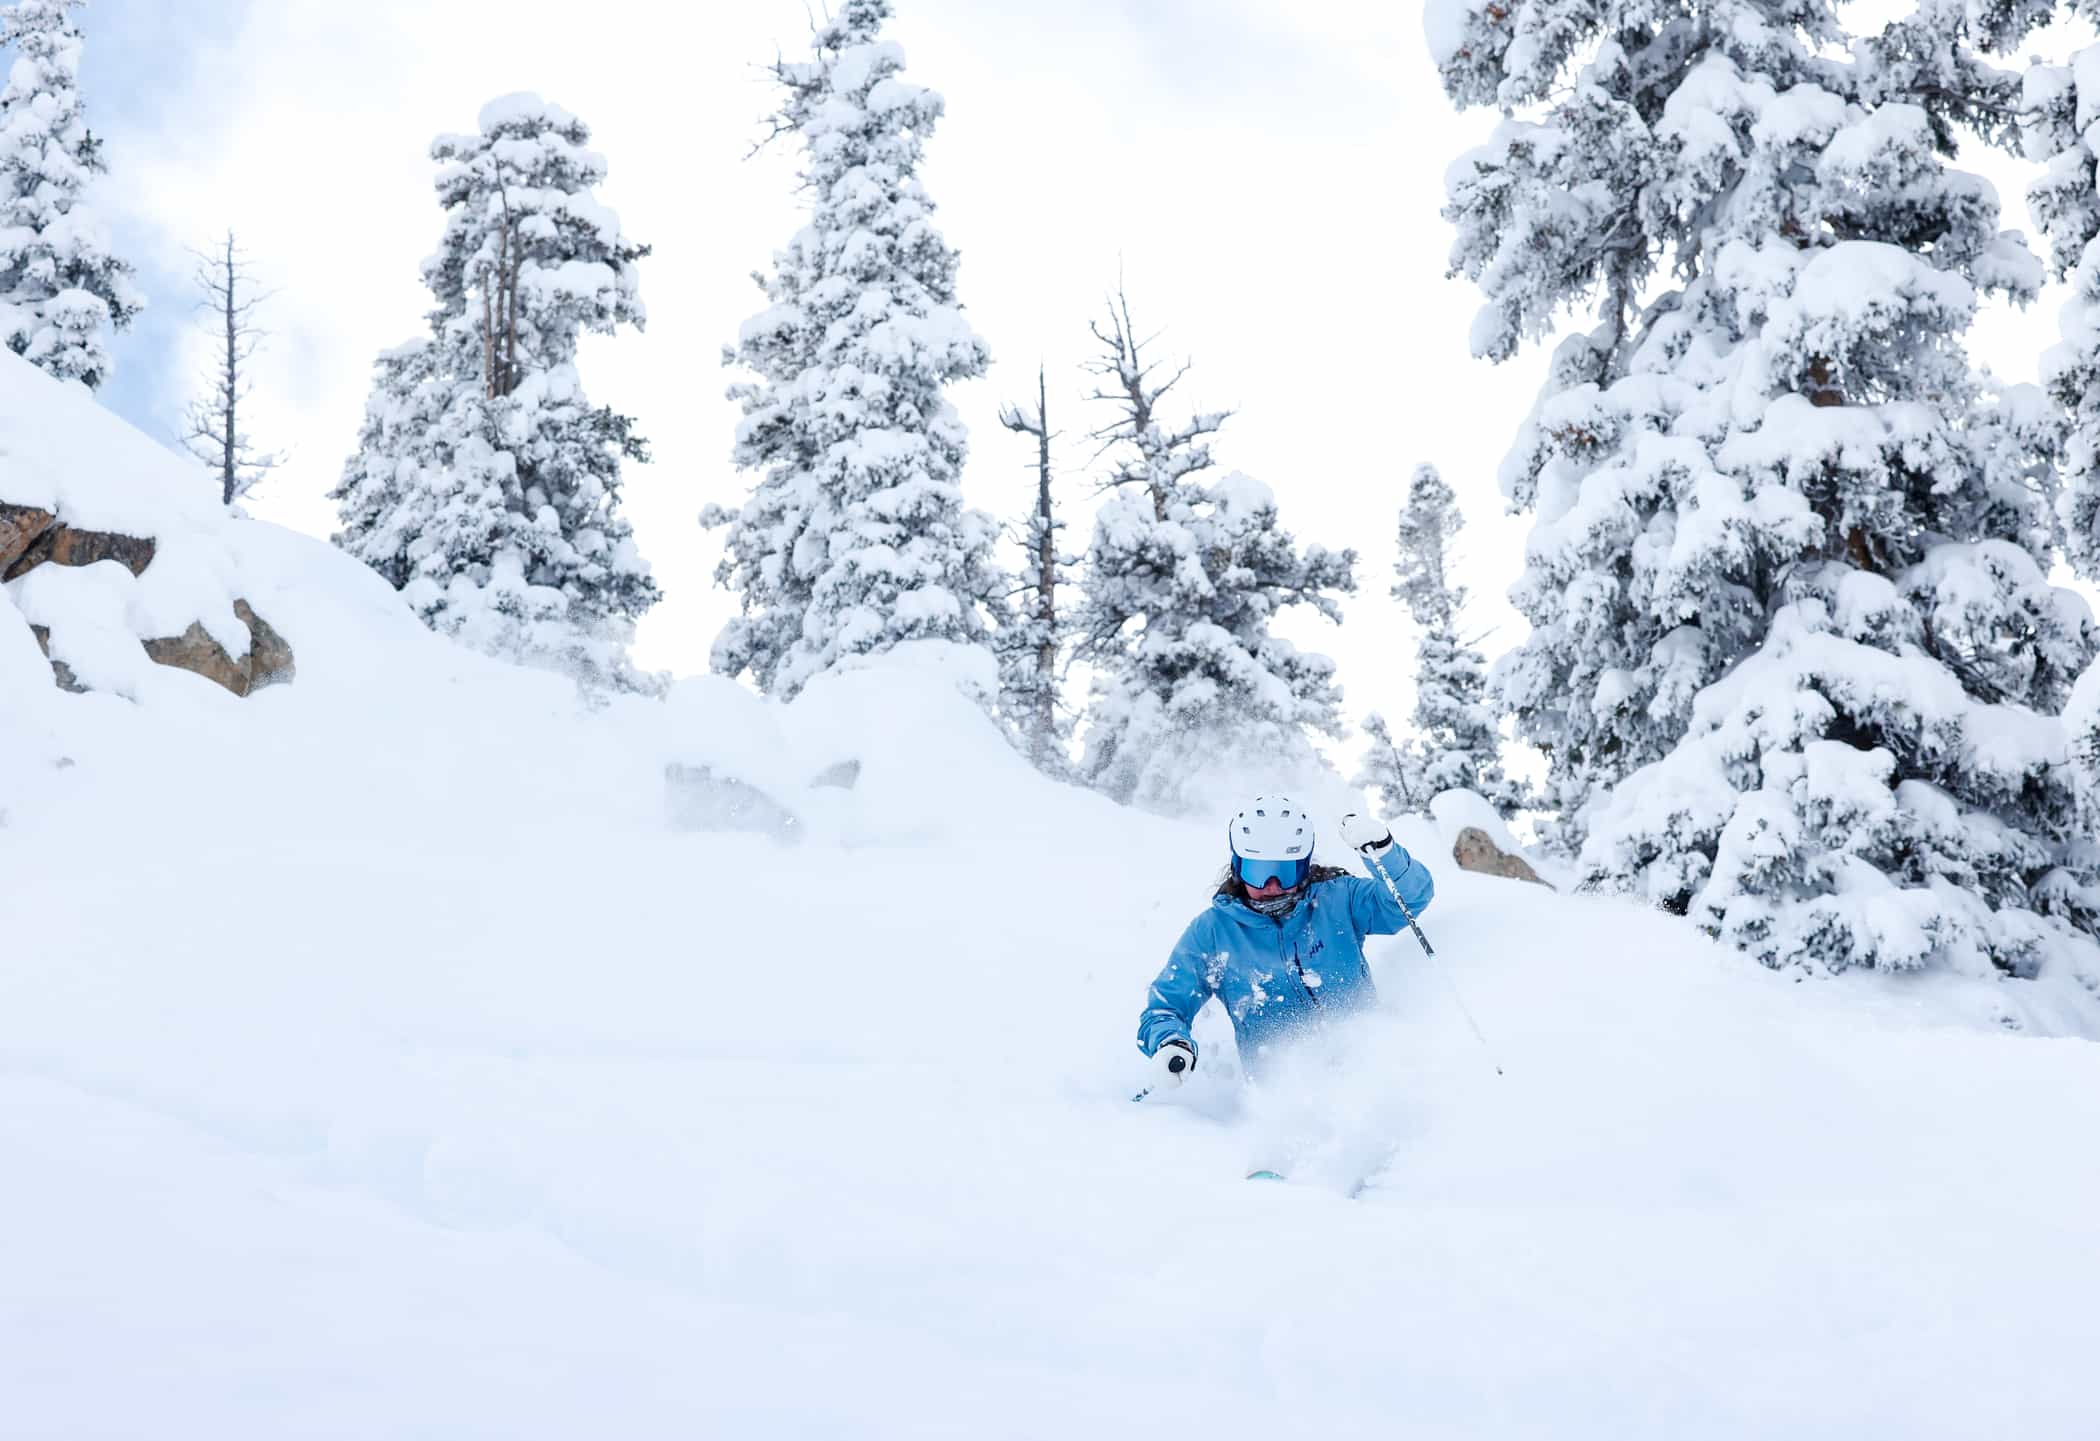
<point x="1430" y="951"/>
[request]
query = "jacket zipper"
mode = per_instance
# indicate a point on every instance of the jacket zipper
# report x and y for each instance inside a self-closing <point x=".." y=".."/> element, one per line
<point x="1299" y="966"/>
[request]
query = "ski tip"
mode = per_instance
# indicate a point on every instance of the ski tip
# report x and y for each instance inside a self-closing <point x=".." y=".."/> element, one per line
<point x="1265" y="1175"/>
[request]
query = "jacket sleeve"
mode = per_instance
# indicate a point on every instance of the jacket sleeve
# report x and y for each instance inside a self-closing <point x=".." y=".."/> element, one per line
<point x="1371" y="904"/>
<point x="1179" y="991"/>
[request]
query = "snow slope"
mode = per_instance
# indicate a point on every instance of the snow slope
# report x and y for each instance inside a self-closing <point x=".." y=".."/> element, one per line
<point x="375" y="1060"/>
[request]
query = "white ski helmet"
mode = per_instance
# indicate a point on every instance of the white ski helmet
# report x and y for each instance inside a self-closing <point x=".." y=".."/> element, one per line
<point x="1274" y="830"/>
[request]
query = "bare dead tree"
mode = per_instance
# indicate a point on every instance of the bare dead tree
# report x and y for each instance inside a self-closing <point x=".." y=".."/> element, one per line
<point x="1040" y="538"/>
<point x="1130" y="382"/>
<point x="212" y="426"/>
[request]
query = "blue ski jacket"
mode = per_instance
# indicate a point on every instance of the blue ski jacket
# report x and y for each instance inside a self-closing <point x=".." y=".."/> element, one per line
<point x="1277" y="976"/>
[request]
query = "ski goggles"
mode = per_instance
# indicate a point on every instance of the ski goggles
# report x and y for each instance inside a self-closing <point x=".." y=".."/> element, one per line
<point x="1256" y="874"/>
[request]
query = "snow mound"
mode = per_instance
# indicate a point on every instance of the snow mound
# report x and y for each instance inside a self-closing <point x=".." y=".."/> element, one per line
<point x="1461" y="810"/>
<point x="190" y="563"/>
<point x="440" y="1050"/>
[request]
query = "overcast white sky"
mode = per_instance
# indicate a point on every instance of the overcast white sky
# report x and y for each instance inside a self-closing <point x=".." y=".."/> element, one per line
<point x="1266" y="173"/>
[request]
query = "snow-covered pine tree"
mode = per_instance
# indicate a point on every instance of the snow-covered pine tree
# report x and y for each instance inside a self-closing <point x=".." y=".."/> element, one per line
<point x="1454" y="727"/>
<point x="1788" y="574"/>
<point x="1181" y="583"/>
<point x="1192" y="685"/>
<point x="1032" y="637"/>
<point x="2058" y="105"/>
<point x="62" y="290"/>
<point x="1392" y="770"/>
<point x="2065" y="199"/>
<point x="854" y="537"/>
<point x="423" y="439"/>
<point x="486" y="485"/>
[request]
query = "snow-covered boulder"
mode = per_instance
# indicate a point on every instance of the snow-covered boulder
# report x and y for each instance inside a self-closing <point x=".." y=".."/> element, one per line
<point x="1475" y="852"/>
<point x="1479" y="841"/>
<point x="267" y="661"/>
<point x="113" y="555"/>
<point x="1458" y="810"/>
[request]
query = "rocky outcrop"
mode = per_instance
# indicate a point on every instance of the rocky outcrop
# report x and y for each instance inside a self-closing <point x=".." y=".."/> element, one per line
<point x="20" y="525"/>
<point x="60" y="544"/>
<point x="1475" y="850"/>
<point x="270" y="660"/>
<point x="267" y="661"/>
<point x="60" y="671"/>
<point x="195" y="650"/>
<point x="30" y="537"/>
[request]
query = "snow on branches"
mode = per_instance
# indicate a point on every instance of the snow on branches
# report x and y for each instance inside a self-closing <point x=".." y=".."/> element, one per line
<point x="1181" y="583"/>
<point x="485" y="484"/>
<point x="62" y="290"/>
<point x="854" y="537"/>
<point x="1794" y="654"/>
<point x="1453" y="744"/>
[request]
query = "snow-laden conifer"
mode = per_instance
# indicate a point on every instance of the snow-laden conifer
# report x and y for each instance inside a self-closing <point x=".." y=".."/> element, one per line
<point x="2060" y="103"/>
<point x="1182" y="581"/>
<point x="854" y="536"/>
<point x="1453" y="731"/>
<point x="1392" y="769"/>
<point x="486" y="485"/>
<point x="1191" y="683"/>
<point x="1787" y="577"/>
<point x="62" y="289"/>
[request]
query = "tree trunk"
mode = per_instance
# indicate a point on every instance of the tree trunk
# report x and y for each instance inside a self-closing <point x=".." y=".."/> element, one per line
<point x="1407" y="796"/>
<point x="1822" y="390"/>
<point x="488" y="339"/>
<point x="514" y="249"/>
<point x="230" y="437"/>
<point x="1045" y="577"/>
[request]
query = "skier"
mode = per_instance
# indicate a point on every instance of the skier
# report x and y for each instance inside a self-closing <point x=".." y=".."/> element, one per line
<point x="1281" y="943"/>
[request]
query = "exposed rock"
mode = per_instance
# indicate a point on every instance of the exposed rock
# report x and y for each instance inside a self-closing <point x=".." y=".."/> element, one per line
<point x="840" y="776"/>
<point x="63" y="545"/>
<point x="1475" y="851"/>
<point x="20" y="525"/>
<point x="700" y="800"/>
<point x="267" y="662"/>
<point x="60" y="671"/>
<point x="270" y="660"/>
<point x="195" y="650"/>
<point x="30" y="537"/>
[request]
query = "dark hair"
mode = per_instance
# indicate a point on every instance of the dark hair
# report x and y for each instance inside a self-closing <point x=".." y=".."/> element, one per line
<point x="1231" y="885"/>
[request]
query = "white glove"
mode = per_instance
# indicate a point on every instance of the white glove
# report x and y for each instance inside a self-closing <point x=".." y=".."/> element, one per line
<point x="1366" y="833"/>
<point x="1175" y="1059"/>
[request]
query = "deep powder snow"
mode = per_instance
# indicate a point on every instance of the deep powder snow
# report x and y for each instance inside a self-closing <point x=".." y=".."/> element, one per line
<point x="377" y="1060"/>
